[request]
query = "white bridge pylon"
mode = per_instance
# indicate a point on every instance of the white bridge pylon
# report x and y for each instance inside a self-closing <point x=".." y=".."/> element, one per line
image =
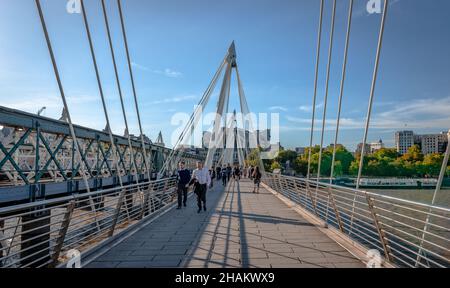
<point x="226" y="136"/>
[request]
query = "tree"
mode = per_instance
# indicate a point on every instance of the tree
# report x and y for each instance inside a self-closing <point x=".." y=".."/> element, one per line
<point x="414" y="154"/>
<point x="386" y="154"/>
<point x="342" y="155"/>
<point x="338" y="169"/>
<point x="275" y="165"/>
<point x="286" y="155"/>
<point x="325" y="166"/>
<point x="432" y="164"/>
<point x="253" y="158"/>
<point x="300" y="165"/>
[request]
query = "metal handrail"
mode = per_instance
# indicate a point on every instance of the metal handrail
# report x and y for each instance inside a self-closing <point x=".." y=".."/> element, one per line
<point x="39" y="234"/>
<point x="312" y="181"/>
<point x="396" y="226"/>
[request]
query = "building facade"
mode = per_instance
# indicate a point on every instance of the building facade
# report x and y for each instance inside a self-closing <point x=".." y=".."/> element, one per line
<point x="403" y="141"/>
<point x="432" y="143"/>
<point x="428" y="143"/>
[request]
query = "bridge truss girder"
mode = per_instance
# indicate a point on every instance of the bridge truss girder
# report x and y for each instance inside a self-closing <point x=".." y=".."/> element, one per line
<point x="23" y="164"/>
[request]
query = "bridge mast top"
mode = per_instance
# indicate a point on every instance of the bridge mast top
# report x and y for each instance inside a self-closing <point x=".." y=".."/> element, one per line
<point x="232" y="55"/>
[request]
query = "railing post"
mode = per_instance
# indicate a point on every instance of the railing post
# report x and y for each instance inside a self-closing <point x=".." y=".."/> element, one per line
<point x="433" y="201"/>
<point x="336" y="211"/>
<point x="166" y="181"/>
<point x="290" y="193"/>
<point x="13" y="237"/>
<point x="298" y="189"/>
<point x="62" y="233"/>
<point x="3" y="243"/>
<point x="381" y="234"/>
<point x="146" y="199"/>
<point x="313" y="203"/>
<point x="280" y="188"/>
<point x="117" y="213"/>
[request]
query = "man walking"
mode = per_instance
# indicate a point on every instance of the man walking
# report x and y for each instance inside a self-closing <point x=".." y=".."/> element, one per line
<point x="183" y="177"/>
<point x="224" y="175"/>
<point x="218" y="172"/>
<point x="201" y="179"/>
<point x="229" y="171"/>
<point x="236" y="173"/>
<point x="212" y="174"/>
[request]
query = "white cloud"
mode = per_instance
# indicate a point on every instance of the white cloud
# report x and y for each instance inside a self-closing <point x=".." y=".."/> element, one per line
<point x="306" y="108"/>
<point x="171" y="73"/>
<point x="140" y="67"/>
<point x="168" y="72"/>
<point x="281" y="108"/>
<point x="175" y="99"/>
<point x="415" y="114"/>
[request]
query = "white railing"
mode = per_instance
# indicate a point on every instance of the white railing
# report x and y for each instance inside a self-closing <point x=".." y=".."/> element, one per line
<point x="40" y="234"/>
<point x="407" y="233"/>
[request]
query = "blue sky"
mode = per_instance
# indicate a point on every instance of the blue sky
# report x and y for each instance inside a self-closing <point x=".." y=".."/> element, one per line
<point x="176" y="46"/>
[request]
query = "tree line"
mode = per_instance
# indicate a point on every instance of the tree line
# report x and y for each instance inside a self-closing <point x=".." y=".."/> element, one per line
<point x="386" y="162"/>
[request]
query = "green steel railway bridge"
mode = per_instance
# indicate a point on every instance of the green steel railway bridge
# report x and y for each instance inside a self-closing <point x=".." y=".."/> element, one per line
<point x="72" y="196"/>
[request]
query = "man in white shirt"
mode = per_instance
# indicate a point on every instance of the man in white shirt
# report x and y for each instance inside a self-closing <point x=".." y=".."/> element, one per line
<point x="201" y="179"/>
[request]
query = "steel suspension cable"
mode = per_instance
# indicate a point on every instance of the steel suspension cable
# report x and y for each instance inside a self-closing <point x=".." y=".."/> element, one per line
<point x="319" y="36"/>
<point x="102" y="96"/>
<point x="371" y="97"/>
<point x="119" y="89"/>
<point x="105" y="111"/>
<point x="193" y="119"/>
<point x="341" y="94"/>
<point x="246" y="111"/>
<point x="433" y="201"/>
<point x="330" y="54"/>
<point x="76" y="144"/>
<point x="217" y="131"/>
<point x="130" y="70"/>
<point x="372" y="91"/>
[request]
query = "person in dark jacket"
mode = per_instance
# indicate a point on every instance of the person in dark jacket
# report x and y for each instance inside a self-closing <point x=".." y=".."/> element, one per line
<point x="252" y="171"/>
<point x="183" y="177"/>
<point x="218" y="172"/>
<point x="229" y="171"/>
<point x="223" y="174"/>
<point x="236" y="173"/>
<point x="212" y="174"/>
<point x="256" y="179"/>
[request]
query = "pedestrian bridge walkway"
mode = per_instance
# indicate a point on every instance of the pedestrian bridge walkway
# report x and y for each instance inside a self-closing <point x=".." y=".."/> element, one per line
<point x="239" y="229"/>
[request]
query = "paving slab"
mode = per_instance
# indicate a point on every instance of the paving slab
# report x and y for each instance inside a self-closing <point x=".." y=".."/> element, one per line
<point x="239" y="229"/>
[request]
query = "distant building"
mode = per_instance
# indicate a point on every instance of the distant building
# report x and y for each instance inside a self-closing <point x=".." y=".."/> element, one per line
<point x="191" y="149"/>
<point x="403" y="141"/>
<point x="359" y="149"/>
<point x="300" y="150"/>
<point x="432" y="143"/>
<point x="376" y="146"/>
<point x="370" y="148"/>
<point x="428" y="143"/>
<point x="246" y="138"/>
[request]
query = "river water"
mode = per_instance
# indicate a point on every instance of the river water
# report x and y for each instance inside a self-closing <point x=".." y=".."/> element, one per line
<point x="418" y="195"/>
